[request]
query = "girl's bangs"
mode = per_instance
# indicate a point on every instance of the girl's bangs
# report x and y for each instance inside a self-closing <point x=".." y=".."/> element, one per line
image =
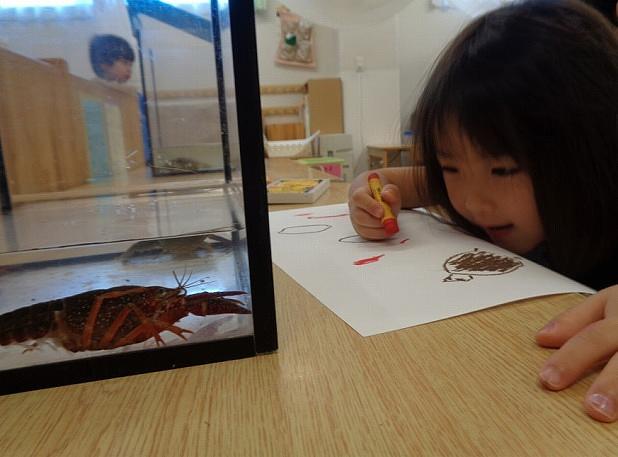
<point x="480" y="114"/>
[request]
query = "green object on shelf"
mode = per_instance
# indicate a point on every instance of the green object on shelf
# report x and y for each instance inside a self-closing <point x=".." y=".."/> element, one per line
<point x="331" y="165"/>
<point x="320" y="160"/>
<point x="290" y="39"/>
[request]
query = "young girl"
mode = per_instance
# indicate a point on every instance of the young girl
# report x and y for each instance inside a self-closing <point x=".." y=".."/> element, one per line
<point x="517" y="130"/>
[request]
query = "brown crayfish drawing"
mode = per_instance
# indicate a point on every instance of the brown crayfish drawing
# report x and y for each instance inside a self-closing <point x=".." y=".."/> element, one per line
<point x="465" y="265"/>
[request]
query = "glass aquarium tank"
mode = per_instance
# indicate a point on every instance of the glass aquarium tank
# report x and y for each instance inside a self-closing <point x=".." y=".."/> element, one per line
<point x="134" y="224"/>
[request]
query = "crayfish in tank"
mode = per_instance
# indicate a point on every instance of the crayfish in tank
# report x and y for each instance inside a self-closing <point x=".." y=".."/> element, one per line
<point x="115" y="317"/>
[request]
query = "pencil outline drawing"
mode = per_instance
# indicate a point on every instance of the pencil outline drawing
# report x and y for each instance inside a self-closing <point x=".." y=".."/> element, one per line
<point x="353" y="239"/>
<point x="289" y="230"/>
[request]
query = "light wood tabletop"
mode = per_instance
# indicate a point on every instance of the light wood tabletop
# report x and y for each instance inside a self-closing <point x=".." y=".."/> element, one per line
<point x="465" y="386"/>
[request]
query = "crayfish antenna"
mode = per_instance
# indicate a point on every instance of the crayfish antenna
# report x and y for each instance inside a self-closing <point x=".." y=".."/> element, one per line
<point x="184" y="281"/>
<point x="197" y="282"/>
<point x="181" y="279"/>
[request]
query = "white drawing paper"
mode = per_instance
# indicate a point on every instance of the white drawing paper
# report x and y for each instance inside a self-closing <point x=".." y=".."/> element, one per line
<point x="426" y="272"/>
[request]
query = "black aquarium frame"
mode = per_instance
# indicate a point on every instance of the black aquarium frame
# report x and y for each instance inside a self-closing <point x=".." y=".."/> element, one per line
<point x="264" y="338"/>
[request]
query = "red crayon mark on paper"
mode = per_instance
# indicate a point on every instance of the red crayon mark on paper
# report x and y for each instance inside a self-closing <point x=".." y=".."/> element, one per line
<point x="327" y="217"/>
<point x="368" y="260"/>
<point x="303" y="214"/>
<point x="403" y="241"/>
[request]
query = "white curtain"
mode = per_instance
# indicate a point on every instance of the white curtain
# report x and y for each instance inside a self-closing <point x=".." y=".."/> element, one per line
<point x="199" y="7"/>
<point x="45" y="10"/>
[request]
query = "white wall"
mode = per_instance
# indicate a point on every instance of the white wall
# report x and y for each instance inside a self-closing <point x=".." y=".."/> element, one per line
<point x="423" y="31"/>
<point x="369" y="70"/>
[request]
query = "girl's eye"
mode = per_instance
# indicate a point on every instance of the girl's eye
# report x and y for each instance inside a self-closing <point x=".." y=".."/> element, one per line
<point x="447" y="169"/>
<point x="505" y="171"/>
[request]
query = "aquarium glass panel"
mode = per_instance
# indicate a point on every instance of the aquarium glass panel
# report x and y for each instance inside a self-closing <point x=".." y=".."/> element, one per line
<point x="123" y="231"/>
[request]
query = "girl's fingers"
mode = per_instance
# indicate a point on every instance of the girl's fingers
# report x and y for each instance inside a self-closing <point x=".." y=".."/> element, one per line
<point x="602" y="398"/>
<point x="367" y="226"/>
<point x="572" y="321"/>
<point x="372" y="234"/>
<point x="392" y="196"/>
<point x="361" y="218"/>
<point x="366" y="213"/>
<point x="362" y="201"/>
<point x="596" y="343"/>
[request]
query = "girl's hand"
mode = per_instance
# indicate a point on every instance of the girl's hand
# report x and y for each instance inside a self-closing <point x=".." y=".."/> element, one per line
<point x="365" y="212"/>
<point x="587" y="336"/>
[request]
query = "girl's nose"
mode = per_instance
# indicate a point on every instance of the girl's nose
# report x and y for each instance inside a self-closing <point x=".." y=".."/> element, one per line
<point x="479" y="202"/>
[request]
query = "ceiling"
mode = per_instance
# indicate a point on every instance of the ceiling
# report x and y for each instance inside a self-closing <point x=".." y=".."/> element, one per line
<point x="341" y="13"/>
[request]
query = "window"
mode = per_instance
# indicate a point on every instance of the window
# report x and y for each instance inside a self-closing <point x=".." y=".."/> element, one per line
<point x="221" y="3"/>
<point x="199" y="7"/>
<point x="43" y="3"/>
<point x="44" y="10"/>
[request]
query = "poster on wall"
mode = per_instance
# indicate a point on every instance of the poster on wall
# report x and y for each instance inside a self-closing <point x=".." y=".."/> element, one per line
<point x="296" y="43"/>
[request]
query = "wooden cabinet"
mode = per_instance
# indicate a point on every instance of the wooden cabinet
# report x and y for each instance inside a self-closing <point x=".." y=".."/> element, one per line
<point x="43" y="147"/>
<point x="318" y="106"/>
<point x="324" y="102"/>
<point x="43" y="130"/>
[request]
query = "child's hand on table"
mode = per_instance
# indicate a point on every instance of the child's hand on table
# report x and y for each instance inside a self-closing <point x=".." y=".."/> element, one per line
<point x="366" y="213"/>
<point x="587" y="335"/>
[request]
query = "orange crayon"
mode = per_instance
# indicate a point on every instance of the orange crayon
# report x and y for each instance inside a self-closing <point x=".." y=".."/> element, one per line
<point x="388" y="220"/>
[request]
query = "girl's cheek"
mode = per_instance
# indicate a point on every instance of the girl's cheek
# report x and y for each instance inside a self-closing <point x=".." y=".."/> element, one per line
<point x="455" y="196"/>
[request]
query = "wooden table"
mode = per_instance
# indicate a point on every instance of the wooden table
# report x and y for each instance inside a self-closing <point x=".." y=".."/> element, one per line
<point x="459" y="387"/>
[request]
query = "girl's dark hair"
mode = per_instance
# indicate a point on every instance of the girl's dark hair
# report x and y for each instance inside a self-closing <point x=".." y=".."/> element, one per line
<point x="107" y="49"/>
<point x="536" y="81"/>
<point x="606" y="7"/>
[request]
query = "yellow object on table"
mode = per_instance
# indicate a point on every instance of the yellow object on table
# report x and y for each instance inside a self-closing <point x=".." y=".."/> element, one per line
<point x="296" y="190"/>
